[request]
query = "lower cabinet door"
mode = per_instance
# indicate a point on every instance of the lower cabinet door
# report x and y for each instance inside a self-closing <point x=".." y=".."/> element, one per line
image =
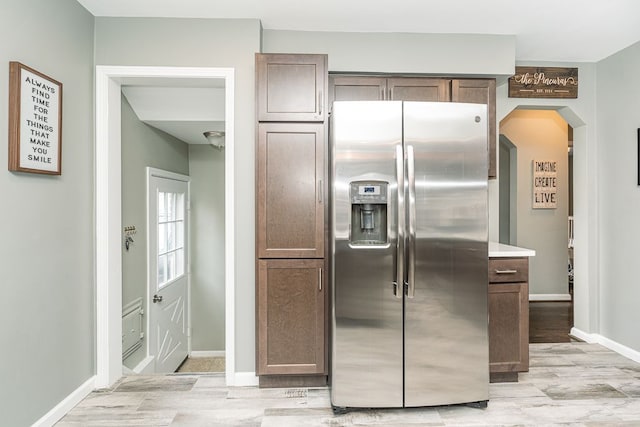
<point x="509" y="327"/>
<point x="291" y="305"/>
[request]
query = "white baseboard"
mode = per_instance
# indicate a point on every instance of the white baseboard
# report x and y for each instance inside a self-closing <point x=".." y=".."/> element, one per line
<point x="245" y="379"/>
<point x="549" y="297"/>
<point x="146" y="367"/>
<point x="215" y="353"/>
<point x="62" y="408"/>
<point x="606" y="342"/>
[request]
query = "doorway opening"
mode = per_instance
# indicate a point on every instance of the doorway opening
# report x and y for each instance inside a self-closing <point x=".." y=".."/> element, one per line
<point x="109" y="81"/>
<point x="540" y="216"/>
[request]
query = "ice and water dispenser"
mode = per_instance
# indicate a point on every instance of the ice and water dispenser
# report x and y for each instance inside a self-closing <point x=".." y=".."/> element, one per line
<point x="368" y="213"/>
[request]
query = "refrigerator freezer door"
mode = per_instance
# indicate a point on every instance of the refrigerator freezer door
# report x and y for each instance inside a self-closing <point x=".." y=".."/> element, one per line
<point x="366" y="362"/>
<point x="446" y="344"/>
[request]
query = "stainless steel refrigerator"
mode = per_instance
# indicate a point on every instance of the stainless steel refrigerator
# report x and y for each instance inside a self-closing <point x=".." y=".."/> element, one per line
<point x="409" y="254"/>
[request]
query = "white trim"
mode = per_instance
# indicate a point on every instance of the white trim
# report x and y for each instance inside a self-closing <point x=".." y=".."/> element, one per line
<point x="108" y="258"/>
<point x="62" y="408"/>
<point x="606" y="342"/>
<point x="146" y="367"/>
<point x="215" y="353"/>
<point x="549" y="297"/>
<point x="245" y="379"/>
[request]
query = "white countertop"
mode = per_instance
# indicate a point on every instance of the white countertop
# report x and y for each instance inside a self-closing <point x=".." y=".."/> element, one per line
<point x="500" y="250"/>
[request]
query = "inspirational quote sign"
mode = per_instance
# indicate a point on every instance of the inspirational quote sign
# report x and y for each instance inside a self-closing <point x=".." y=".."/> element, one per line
<point x="35" y="119"/>
<point x="545" y="184"/>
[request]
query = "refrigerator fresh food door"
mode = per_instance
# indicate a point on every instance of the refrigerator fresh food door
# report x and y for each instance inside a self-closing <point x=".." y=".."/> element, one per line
<point x="446" y="331"/>
<point x="366" y="362"/>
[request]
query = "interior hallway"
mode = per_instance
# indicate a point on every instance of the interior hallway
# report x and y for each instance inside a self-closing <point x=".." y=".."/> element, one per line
<point x="569" y="383"/>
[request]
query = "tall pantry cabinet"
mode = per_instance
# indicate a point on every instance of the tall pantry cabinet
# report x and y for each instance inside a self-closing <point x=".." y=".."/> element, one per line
<point x="291" y="196"/>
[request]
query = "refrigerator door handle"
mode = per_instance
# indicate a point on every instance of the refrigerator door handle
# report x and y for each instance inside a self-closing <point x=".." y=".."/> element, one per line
<point x="411" y="274"/>
<point x="399" y="283"/>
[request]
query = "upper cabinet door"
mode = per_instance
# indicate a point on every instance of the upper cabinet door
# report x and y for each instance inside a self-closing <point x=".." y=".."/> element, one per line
<point x="418" y="89"/>
<point x="291" y="87"/>
<point x="480" y="91"/>
<point x="355" y="88"/>
<point x="291" y="194"/>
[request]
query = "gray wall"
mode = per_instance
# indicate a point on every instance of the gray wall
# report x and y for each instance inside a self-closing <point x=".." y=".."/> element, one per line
<point x="206" y="166"/>
<point x="618" y="122"/>
<point x="541" y="135"/>
<point x="580" y="113"/>
<point x="439" y="54"/>
<point x="46" y="222"/>
<point x="206" y="43"/>
<point x="142" y="146"/>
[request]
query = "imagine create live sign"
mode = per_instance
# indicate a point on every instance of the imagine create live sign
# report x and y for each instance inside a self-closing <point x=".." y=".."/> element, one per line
<point x="545" y="184"/>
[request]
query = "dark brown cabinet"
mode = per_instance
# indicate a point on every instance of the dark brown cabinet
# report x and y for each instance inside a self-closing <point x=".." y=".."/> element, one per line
<point x="370" y="88"/>
<point x="291" y="88"/>
<point x="480" y="91"/>
<point x="291" y="211"/>
<point x="291" y="311"/>
<point x="290" y="190"/>
<point x="418" y="89"/>
<point x="508" y="318"/>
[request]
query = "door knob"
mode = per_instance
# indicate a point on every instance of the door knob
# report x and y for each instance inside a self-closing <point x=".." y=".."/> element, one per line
<point x="157" y="298"/>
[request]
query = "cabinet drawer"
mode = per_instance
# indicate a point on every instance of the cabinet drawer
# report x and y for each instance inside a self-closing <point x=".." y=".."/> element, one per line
<point x="508" y="270"/>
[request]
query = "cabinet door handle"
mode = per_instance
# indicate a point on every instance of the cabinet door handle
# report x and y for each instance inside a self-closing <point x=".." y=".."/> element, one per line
<point x="506" y="271"/>
<point x="320" y="188"/>
<point x="320" y="103"/>
<point x="320" y="280"/>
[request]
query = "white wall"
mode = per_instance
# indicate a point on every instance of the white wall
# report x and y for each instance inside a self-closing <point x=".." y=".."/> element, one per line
<point x="541" y="135"/>
<point x="206" y="43"/>
<point x="618" y="110"/>
<point x="46" y="222"/>
<point x="206" y="166"/>
<point x="142" y="146"/>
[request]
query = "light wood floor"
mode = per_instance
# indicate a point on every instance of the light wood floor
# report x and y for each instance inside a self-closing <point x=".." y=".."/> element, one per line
<point x="569" y="384"/>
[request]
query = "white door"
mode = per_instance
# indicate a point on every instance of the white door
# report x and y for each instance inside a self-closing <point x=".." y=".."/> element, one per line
<point x="168" y="203"/>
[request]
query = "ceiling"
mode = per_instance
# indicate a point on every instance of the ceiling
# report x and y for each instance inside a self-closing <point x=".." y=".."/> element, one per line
<point x="545" y="30"/>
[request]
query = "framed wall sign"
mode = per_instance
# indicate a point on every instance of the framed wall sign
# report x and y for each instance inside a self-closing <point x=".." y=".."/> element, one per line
<point x="544" y="82"/>
<point x="35" y="121"/>
<point x="545" y="184"/>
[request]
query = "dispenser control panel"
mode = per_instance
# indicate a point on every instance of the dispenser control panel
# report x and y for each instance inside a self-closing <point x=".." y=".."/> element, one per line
<point x="368" y="213"/>
<point x="365" y="192"/>
<point x="371" y="190"/>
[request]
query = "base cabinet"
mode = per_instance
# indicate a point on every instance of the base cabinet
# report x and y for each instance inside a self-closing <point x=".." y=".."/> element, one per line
<point x="292" y="302"/>
<point x="508" y="318"/>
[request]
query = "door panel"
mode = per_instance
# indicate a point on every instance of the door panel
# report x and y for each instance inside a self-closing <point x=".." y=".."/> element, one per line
<point x="290" y="190"/>
<point x="367" y="323"/>
<point x="418" y="89"/>
<point x="353" y="88"/>
<point x="291" y="308"/>
<point x="291" y="87"/>
<point x="446" y="350"/>
<point x="168" y="270"/>
<point x="480" y="91"/>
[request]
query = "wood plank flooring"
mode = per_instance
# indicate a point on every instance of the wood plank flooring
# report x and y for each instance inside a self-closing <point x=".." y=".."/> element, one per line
<point x="550" y="321"/>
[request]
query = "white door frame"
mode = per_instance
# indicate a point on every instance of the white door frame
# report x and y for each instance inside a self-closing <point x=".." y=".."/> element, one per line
<point x="108" y="211"/>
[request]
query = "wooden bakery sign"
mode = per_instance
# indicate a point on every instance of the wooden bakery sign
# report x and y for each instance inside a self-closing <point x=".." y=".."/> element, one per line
<point x="544" y="82"/>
